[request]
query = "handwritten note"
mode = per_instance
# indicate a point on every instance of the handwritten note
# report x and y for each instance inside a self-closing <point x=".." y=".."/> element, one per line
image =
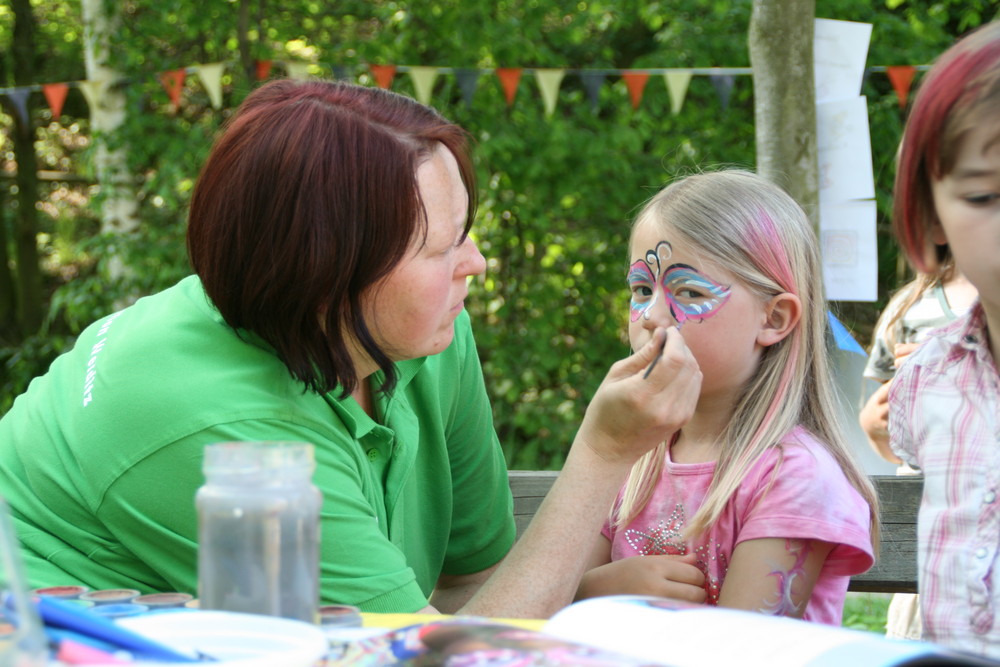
<point x="850" y="259"/>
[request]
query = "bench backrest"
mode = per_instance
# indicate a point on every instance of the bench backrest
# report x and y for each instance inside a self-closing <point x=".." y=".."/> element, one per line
<point x="895" y="569"/>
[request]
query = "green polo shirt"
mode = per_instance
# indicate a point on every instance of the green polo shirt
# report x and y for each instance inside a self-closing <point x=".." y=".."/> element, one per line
<point x="101" y="458"/>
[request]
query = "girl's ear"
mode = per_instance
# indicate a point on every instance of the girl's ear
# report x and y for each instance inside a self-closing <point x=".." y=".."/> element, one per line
<point x="782" y="314"/>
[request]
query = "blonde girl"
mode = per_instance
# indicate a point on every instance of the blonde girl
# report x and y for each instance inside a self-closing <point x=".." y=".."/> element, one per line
<point x="756" y="502"/>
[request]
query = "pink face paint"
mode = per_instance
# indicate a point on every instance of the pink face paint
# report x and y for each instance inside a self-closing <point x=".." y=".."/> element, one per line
<point x="784" y="605"/>
<point x="690" y="294"/>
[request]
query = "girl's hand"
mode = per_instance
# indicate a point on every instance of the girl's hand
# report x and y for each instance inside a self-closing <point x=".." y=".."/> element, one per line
<point x="664" y="576"/>
<point x="632" y="412"/>
<point x="773" y="575"/>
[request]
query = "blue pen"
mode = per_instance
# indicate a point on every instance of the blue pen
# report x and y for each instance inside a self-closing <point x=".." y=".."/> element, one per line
<point x="60" y="614"/>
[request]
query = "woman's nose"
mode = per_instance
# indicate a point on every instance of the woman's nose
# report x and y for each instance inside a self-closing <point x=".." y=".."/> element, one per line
<point x="472" y="263"/>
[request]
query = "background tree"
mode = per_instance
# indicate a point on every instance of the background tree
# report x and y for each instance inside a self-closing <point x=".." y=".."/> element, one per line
<point x="781" y="53"/>
<point x="21" y="292"/>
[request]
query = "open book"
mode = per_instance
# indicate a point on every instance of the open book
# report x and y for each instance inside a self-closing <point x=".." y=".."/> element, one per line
<point x="636" y="630"/>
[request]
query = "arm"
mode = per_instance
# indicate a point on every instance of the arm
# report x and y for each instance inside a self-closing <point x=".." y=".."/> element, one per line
<point x="664" y="576"/>
<point x="874" y="419"/>
<point x="628" y="416"/>
<point x="454" y="590"/>
<point x="774" y="575"/>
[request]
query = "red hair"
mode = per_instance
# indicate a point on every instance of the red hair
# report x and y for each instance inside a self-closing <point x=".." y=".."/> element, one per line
<point x="959" y="92"/>
<point x="308" y="199"/>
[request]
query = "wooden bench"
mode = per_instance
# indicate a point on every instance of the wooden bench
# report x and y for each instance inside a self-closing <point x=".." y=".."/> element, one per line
<point x="895" y="569"/>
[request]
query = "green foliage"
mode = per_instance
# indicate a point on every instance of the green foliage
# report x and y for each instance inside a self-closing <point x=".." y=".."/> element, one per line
<point x="866" y="611"/>
<point x="556" y="194"/>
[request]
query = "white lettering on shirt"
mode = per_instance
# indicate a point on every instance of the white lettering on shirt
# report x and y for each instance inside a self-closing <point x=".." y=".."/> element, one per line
<point x="88" y="380"/>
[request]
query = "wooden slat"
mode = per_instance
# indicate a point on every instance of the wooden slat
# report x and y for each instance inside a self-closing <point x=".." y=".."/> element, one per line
<point x="895" y="570"/>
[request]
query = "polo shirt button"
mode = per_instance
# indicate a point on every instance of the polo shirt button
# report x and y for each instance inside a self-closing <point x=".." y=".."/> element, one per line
<point x="981" y="552"/>
<point x="373" y="455"/>
<point x="969" y="338"/>
<point x="989" y="497"/>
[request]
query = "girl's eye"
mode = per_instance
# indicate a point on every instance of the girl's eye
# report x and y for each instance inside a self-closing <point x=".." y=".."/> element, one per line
<point x="690" y="294"/>
<point x="983" y="199"/>
<point x="641" y="291"/>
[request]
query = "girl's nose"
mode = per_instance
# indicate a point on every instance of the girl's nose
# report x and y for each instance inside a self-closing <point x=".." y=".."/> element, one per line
<point x="657" y="313"/>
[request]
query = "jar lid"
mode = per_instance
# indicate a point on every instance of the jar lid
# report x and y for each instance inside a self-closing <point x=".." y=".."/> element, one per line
<point x="253" y="458"/>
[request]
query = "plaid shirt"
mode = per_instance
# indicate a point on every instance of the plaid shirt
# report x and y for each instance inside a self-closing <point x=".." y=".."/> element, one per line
<point x="944" y="417"/>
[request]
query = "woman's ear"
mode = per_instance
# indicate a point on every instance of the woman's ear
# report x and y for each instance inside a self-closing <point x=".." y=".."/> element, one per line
<point x="782" y="314"/>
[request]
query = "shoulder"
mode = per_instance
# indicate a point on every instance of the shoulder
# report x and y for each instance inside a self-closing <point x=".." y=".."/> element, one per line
<point x="944" y="346"/>
<point x="800" y="475"/>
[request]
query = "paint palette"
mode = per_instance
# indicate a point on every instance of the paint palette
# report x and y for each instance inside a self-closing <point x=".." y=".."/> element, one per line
<point x="234" y="639"/>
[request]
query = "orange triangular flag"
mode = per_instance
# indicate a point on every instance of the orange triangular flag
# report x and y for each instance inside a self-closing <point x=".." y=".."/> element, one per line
<point x="383" y="75"/>
<point x="173" y="83"/>
<point x="636" y="82"/>
<point x="509" y="78"/>
<point x="901" y="77"/>
<point x="55" y="94"/>
<point x="263" y="69"/>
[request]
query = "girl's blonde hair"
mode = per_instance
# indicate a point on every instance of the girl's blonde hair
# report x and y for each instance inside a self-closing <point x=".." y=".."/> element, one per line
<point x="755" y="230"/>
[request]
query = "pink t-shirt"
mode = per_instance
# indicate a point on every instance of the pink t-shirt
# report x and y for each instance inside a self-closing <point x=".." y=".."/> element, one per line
<point x="808" y="497"/>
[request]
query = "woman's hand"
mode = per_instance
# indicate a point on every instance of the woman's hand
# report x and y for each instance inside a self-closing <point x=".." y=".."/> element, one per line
<point x="632" y="412"/>
<point x="665" y="576"/>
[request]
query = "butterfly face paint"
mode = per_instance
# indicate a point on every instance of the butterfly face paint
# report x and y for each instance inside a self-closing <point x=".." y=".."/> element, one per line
<point x="689" y="294"/>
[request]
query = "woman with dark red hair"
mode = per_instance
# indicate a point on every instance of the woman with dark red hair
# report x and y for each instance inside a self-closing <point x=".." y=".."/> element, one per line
<point x="329" y="236"/>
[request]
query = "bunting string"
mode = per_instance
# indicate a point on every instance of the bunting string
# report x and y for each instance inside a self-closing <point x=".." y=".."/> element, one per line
<point x="423" y="79"/>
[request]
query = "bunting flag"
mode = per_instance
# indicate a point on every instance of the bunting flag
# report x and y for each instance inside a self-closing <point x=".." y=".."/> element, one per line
<point x="423" y="82"/>
<point x="636" y="81"/>
<point x="384" y="74"/>
<point x="677" y="85"/>
<point x="468" y="81"/>
<point x="93" y="92"/>
<point x="55" y="95"/>
<point x="509" y="78"/>
<point x="263" y="69"/>
<point x="548" y="84"/>
<point x="723" y="87"/>
<point x="173" y="83"/>
<point x="19" y="98"/>
<point x="592" y="82"/>
<point x="210" y="76"/>
<point x="901" y="78"/>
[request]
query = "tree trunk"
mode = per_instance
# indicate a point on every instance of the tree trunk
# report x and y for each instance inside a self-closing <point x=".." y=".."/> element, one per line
<point x="8" y="304"/>
<point x="119" y="206"/>
<point x="29" y="277"/>
<point x="781" y="54"/>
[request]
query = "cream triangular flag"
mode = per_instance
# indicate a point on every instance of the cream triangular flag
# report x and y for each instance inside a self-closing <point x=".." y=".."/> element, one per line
<point x="93" y="91"/>
<point x="297" y="69"/>
<point x="549" y="81"/>
<point x="677" y="85"/>
<point x="211" y="77"/>
<point x="423" y="82"/>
